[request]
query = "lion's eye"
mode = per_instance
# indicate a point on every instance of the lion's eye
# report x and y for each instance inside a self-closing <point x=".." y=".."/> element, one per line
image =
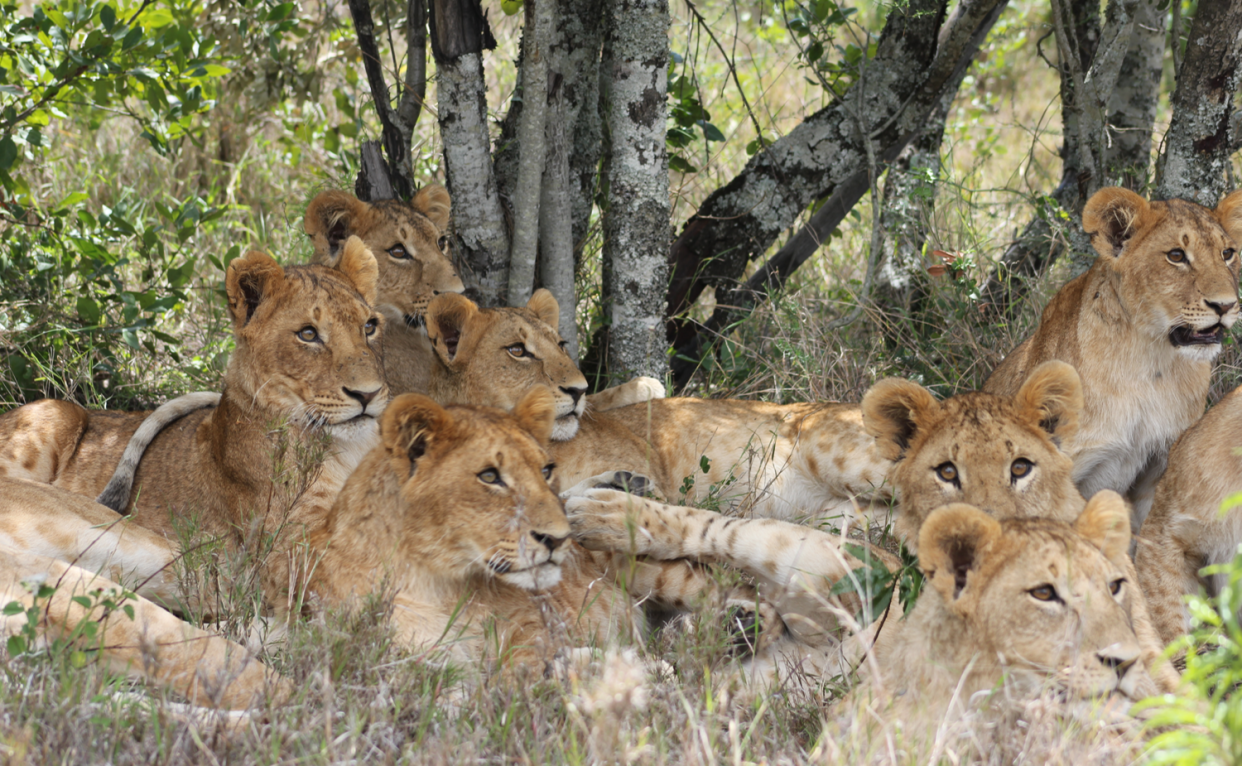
<point x="442" y="243"/>
<point x="1176" y="255"/>
<point x="1020" y="468"/>
<point x="1044" y="593"/>
<point x="491" y="476"/>
<point x="947" y="472"/>
<point x="518" y="350"/>
<point x="308" y="334"/>
<point x="370" y="327"/>
<point x="1114" y="587"/>
<point x="398" y="251"/>
<point x="547" y="471"/>
<point x="1229" y="251"/>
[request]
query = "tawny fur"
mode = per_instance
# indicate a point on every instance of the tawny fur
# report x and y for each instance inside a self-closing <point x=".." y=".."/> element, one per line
<point x="1187" y="529"/>
<point x="1117" y="323"/>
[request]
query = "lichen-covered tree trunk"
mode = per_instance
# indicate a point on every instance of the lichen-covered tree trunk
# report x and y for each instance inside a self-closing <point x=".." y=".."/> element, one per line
<point x="636" y="221"/>
<point x="1132" y="106"/>
<point x="458" y="33"/>
<point x="1197" y="146"/>
<point x="581" y="32"/>
<point x="556" y="231"/>
<point x="742" y="219"/>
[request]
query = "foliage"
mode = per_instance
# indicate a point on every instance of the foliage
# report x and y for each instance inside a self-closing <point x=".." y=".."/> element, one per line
<point x="1204" y="723"/>
<point x="73" y="649"/>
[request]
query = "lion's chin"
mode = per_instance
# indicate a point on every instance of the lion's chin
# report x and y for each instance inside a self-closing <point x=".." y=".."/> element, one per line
<point x="539" y="577"/>
<point x="565" y="427"/>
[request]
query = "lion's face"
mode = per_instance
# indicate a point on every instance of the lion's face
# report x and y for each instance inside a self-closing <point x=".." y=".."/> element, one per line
<point x="308" y="340"/>
<point x="1042" y="598"/>
<point x="409" y="240"/>
<point x="1174" y="265"/>
<point x="492" y="356"/>
<point x="997" y="453"/>
<point x="473" y="487"/>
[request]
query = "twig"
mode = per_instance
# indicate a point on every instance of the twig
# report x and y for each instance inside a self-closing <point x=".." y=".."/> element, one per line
<point x="732" y="71"/>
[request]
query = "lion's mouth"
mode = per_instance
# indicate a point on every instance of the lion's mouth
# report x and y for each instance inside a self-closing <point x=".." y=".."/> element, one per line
<point x="1185" y="335"/>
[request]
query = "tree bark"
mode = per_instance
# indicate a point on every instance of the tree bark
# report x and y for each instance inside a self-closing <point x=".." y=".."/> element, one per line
<point x="1196" y="153"/>
<point x="636" y="221"/>
<point x="958" y="42"/>
<point x="532" y="134"/>
<point x="1132" y="105"/>
<point x="556" y="232"/>
<point x="459" y="35"/>
<point x="742" y="219"/>
<point x="581" y="34"/>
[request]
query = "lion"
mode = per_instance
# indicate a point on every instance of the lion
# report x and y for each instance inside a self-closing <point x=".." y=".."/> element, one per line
<point x="307" y="356"/>
<point x="410" y="241"/>
<point x="997" y="453"/>
<point x="792" y="460"/>
<point x="1189" y="527"/>
<point x="1142" y="327"/>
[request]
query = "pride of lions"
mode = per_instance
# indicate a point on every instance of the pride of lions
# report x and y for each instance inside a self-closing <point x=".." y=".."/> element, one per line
<point x="1058" y="516"/>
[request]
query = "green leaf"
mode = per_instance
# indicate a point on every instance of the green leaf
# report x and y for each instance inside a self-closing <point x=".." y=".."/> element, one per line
<point x="711" y="132"/>
<point x="16" y="646"/>
<point x="675" y="162"/>
<point x="155" y="17"/>
<point x="511" y="7"/>
<point x="13" y="608"/>
<point x="107" y="16"/>
<point x="89" y="311"/>
<point x="8" y="152"/>
<point x="753" y="147"/>
<point x="131" y="339"/>
<point x="82" y="601"/>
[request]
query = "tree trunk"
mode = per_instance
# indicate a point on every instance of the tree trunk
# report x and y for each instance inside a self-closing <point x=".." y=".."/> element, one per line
<point x="458" y="37"/>
<point x="742" y="219"/>
<point x="959" y="40"/>
<point x="532" y="149"/>
<point x="1132" y="105"/>
<point x="636" y="221"/>
<point x="556" y="232"/>
<point x="581" y="31"/>
<point x="1196" y="154"/>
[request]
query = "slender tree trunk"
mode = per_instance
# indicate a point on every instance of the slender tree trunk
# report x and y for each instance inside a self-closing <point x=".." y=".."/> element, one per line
<point x="581" y="31"/>
<point x="1196" y="155"/>
<point x="636" y="222"/>
<point x="532" y="149"/>
<point x="556" y="231"/>
<point x="458" y="37"/>
<point x="1132" y="106"/>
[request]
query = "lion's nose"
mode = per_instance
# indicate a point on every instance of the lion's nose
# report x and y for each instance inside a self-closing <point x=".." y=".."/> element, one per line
<point x="1119" y="657"/>
<point x="551" y="541"/>
<point x="364" y="397"/>
<point x="1222" y="308"/>
<point x="574" y="393"/>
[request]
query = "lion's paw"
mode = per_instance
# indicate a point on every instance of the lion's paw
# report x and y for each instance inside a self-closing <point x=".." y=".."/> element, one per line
<point x="624" y="481"/>
<point x="646" y="389"/>
<point x="604" y="520"/>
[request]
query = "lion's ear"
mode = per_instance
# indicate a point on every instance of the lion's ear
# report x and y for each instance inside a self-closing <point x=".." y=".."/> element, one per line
<point x="248" y="281"/>
<point x="1052" y="398"/>
<point x="953" y="542"/>
<point x="893" y="410"/>
<point x="545" y="307"/>
<point x="410" y="423"/>
<point x="1105" y="523"/>
<point x="331" y="218"/>
<point x="433" y="201"/>
<point x="1229" y="213"/>
<point x="536" y="413"/>
<point x="358" y="265"/>
<point x="1111" y="217"/>
<point x="447" y="318"/>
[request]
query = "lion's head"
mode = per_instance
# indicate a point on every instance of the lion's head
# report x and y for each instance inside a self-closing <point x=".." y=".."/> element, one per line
<point x="469" y="491"/>
<point x="1033" y="599"/>
<point x="409" y="239"/>
<point x="491" y="356"/>
<point x="998" y="453"/>
<point x="308" y="339"/>
<point x="1173" y="265"/>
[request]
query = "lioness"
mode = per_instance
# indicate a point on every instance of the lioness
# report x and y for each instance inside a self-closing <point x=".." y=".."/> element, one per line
<point x="993" y="452"/>
<point x="307" y="352"/>
<point x="1187" y="529"/>
<point x="411" y="245"/>
<point x="1141" y="327"/>
<point x="792" y="460"/>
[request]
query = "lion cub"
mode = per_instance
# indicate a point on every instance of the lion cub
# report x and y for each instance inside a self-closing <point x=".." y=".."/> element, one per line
<point x="1142" y="327"/>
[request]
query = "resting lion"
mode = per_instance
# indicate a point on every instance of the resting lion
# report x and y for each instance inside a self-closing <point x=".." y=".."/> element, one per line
<point x="1142" y="327"/>
<point x="1186" y="529"/>
<point x="307" y="354"/>
<point x="997" y="453"/>
<point x="792" y="460"/>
